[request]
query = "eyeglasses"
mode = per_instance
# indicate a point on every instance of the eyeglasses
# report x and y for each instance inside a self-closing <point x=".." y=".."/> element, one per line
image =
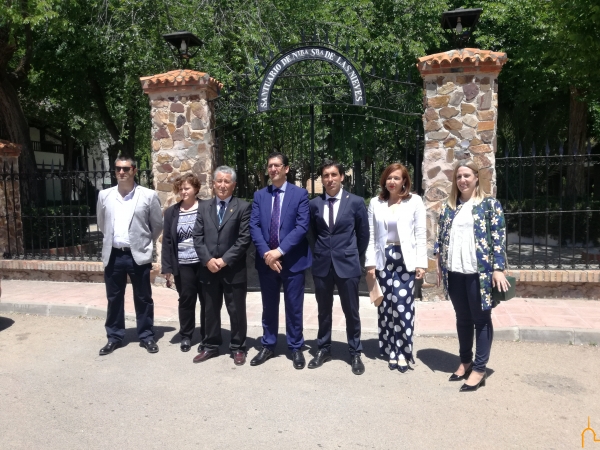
<point x="274" y="166"/>
<point x="124" y="169"/>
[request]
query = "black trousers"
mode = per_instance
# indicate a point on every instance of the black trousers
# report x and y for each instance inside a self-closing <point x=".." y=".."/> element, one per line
<point x="235" y="302"/>
<point x="348" y="291"/>
<point x="189" y="289"/>
<point x="466" y="299"/>
<point x="120" y="265"/>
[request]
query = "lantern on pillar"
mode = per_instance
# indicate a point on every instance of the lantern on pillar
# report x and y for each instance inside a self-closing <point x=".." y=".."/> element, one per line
<point x="459" y="25"/>
<point x="181" y="42"/>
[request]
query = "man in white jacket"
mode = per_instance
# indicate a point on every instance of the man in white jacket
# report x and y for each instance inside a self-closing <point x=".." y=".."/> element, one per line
<point x="130" y="218"/>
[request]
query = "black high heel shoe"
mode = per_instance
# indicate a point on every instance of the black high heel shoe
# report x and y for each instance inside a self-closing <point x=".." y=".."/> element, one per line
<point x="393" y="366"/>
<point x="466" y="388"/>
<point x="455" y="377"/>
<point x="403" y="368"/>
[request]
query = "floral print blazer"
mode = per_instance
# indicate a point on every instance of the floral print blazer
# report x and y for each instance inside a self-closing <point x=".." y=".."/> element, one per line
<point x="490" y="245"/>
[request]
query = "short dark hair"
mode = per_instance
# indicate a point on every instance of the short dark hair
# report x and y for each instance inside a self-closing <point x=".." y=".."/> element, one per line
<point x="188" y="177"/>
<point x="126" y="158"/>
<point x="284" y="159"/>
<point x="331" y="163"/>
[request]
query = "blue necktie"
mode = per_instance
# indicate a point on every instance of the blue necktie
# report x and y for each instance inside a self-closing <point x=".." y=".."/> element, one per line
<point x="274" y="231"/>
<point x="221" y="212"/>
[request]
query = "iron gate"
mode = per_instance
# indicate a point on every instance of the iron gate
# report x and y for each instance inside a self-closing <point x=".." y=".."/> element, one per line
<point x="313" y="114"/>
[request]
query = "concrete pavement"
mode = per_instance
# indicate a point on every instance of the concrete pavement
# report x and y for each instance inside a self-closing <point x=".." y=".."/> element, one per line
<point x="57" y="393"/>
<point x="537" y="320"/>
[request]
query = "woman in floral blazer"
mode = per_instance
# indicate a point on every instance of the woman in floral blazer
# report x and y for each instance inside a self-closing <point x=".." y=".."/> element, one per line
<point x="471" y="249"/>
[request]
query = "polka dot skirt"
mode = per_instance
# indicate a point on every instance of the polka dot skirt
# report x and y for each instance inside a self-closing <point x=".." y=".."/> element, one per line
<point x="397" y="310"/>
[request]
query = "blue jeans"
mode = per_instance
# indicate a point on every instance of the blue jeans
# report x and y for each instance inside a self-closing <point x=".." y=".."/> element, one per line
<point x="466" y="299"/>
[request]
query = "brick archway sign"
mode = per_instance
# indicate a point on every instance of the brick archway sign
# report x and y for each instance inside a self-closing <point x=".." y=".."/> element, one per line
<point x="460" y="98"/>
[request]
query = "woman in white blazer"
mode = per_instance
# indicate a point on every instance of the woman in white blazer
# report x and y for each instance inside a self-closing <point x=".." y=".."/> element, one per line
<point x="397" y="255"/>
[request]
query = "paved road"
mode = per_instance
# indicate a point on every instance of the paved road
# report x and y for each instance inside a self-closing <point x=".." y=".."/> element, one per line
<point x="57" y="393"/>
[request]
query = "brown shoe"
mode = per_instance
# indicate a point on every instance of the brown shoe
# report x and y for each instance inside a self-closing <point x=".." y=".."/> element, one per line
<point x="239" y="357"/>
<point x="206" y="354"/>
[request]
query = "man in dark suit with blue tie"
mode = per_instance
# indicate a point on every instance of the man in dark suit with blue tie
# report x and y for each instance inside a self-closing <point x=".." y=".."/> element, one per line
<point x="278" y="224"/>
<point x="340" y="230"/>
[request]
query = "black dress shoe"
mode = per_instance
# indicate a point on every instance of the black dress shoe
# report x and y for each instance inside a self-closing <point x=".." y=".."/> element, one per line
<point x="109" y="348"/>
<point x="466" y="388"/>
<point x="186" y="345"/>
<point x="262" y="356"/>
<point x="455" y="377"/>
<point x="149" y="345"/>
<point x="393" y="365"/>
<point x="322" y="357"/>
<point x="358" y="368"/>
<point x="298" y="359"/>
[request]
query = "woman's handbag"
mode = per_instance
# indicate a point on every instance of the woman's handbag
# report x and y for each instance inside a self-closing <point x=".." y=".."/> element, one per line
<point x="374" y="290"/>
<point x="499" y="296"/>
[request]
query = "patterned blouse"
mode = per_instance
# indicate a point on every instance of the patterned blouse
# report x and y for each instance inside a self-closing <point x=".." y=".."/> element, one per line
<point x="490" y="245"/>
<point x="186" y="252"/>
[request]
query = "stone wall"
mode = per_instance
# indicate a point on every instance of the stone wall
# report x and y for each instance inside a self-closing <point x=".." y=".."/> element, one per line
<point x="460" y="100"/>
<point x="182" y="118"/>
<point x="11" y="225"/>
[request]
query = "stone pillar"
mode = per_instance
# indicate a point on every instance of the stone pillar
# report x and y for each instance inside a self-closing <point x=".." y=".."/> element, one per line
<point x="11" y="225"/>
<point x="182" y="118"/>
<point x="461" y="102"/>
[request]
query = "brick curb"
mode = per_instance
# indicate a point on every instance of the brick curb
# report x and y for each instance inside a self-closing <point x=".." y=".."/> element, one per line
<point x="572" y="336"/>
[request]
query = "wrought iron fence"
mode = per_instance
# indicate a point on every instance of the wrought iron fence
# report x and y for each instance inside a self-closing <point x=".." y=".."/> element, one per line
<point x="58" y="209"/>
<point x="312" y="117"/>
<point x="551" y="203"/>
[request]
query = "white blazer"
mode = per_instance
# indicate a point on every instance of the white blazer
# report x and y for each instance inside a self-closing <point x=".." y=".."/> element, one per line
<point x="145" y="224"/>
<point x="411" y="229"/>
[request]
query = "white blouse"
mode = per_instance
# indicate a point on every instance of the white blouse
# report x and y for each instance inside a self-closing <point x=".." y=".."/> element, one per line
<point x="462" y="257"/>
<point x="392" y="223"/>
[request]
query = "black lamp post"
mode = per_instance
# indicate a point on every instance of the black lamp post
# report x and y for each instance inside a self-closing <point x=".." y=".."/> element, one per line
<point x="454" y="24"/>
<point x="181" y="42"/>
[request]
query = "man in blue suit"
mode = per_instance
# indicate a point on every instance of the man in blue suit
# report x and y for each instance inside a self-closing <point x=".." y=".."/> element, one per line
<point x="278" y="224"/>
<point x="340" y="230"/>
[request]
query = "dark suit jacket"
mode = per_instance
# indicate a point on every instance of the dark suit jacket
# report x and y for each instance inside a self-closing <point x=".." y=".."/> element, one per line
<point x="293" y="225"/>
<point x="169" y="255"/>
<point x="346" y="245"/>
<point x="229" y="241"/>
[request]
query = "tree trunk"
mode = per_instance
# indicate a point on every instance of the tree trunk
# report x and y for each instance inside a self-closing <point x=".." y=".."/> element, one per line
<point x="13" y="122"/>
<point x="578" y="111"/>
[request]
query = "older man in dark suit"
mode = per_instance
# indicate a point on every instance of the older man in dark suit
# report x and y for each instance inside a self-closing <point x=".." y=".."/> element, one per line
<point x="340" y="231"/>
<point x="221" y="239"/>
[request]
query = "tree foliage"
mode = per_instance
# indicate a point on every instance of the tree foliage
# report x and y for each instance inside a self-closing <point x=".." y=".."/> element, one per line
<point x="75" y="64"/>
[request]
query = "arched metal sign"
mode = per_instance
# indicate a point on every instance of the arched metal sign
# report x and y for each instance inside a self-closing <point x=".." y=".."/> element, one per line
<point x="310" y="53"/>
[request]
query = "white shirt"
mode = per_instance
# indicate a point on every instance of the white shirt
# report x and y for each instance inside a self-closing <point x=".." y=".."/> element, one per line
<point x="336" y="207"/>
<point x="392" y="223"/>
<point x="281" y="195"/>
<point x="462" y="257"/>
<point x="122" y="218"/>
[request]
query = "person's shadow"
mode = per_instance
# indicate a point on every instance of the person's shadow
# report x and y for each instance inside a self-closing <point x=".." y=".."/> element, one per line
<point x="5" y="323"/>
<point x="441" y="361"/>
<point x="131" y="334"/>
